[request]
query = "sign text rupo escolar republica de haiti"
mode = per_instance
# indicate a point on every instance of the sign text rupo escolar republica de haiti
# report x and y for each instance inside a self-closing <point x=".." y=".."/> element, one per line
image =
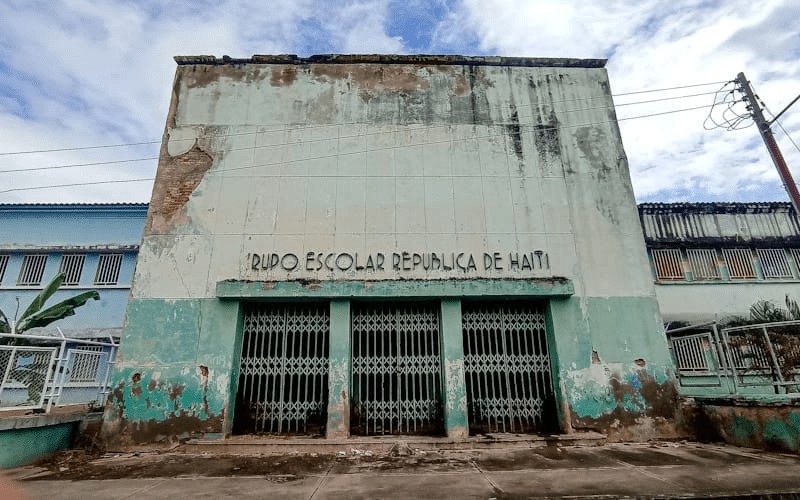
<point x="399" y="262"/>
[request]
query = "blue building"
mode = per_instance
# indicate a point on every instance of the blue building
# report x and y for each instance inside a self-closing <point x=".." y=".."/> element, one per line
<point x="95" y="245"/>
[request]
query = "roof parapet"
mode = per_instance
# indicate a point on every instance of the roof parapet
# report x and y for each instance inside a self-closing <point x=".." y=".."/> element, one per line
<point x="420" y="59"/>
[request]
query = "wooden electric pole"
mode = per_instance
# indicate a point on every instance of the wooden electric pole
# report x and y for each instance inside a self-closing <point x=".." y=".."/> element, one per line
<point x="769" y="140"/>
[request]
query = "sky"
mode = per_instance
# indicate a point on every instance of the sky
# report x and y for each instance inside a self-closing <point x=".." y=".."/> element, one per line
<point x="78" y="74"/>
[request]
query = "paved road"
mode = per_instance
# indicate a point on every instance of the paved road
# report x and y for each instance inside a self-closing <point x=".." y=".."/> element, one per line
<point x="665" y="470"/>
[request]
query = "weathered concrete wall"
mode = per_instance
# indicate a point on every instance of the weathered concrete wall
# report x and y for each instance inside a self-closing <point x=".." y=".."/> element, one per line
<point x="771" y="425"/>
<point x="338" y="168"/>
<point x="698" y="302"/>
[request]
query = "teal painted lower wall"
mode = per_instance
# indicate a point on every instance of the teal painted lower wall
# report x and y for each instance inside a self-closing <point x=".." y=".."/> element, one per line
<point x="173" y="379"/>
<point x="614" y="370"/>
<point x="750" y="423"/>
<point x="24" y="446"/>
<point x="177" y="374"/>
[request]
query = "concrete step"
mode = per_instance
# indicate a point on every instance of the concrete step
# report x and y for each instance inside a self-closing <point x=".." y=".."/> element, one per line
<point x="376" y="444"/>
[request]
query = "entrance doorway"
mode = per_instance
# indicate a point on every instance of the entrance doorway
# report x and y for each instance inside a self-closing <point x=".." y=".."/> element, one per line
<point x="283" y="374"/>
<point x="396" y="369"/>
<point x="507" y="368"/>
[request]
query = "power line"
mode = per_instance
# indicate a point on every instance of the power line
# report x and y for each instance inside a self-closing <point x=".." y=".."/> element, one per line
<point x="142" y="143"/>
<point x="671" y="88"/>
<point x="357" y="152"/>
<point x="426" y="128"/>
<point x="775" y="120"/>
<point x="53" y="167"/>
<point x="118" y="181"/>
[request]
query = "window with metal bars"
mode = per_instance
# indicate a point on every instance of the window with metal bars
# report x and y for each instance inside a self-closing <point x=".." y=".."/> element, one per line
<point x="668" y="263"/>
<point x="703" y="263"/>
<point x="32" y="270"/>
<point x="740" y="263"/>
<point x="774" y="263"/>
<point x="72" y="267"/>
<point x="3" y="266"/>
<point x="795" y="252"/>
<point x="108" y="267"/>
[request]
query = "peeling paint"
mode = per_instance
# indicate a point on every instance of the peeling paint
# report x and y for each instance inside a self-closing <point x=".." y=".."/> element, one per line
<point x="748" y="422"/>
<point x="454" y="374"/>
<point x="176" y="179"/>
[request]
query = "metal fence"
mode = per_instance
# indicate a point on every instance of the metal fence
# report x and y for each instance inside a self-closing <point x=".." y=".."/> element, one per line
<point x="740" y="359"/>
<point x="49" y="372"/>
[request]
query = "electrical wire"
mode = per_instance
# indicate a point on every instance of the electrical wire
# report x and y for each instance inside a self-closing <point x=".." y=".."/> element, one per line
<point x="775" y="120"/>
<point x="53" y="167"/>
<point x="142" y="143"/>
<point x="426" y="128"/>
<point x="117" y="181"/>
<point x="730" y="118"/>
<point x="339" y="154"/>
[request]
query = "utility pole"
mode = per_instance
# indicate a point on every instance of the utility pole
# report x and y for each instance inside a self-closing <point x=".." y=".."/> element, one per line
<point x="769" y="140"/>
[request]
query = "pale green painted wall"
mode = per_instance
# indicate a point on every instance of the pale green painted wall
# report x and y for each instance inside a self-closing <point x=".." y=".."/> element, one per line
<point x="176" y="365"/>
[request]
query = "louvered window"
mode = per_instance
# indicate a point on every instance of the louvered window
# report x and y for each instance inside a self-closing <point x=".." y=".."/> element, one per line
<point x="740" y="263"/>
<point x="703" y="263"/>
<point x="774" y="263"/>
<point x="669" y="264"/>
<point x="72" y="267"/>
<point x="796" y="256"/>
<point x="32" y="270"/>
<point x="108" y="268"/>
<point x="3" y="265"/>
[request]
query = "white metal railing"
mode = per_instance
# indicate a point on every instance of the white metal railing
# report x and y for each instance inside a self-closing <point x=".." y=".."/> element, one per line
<point x="760" y="355"/>
<point x="53" y="371"/>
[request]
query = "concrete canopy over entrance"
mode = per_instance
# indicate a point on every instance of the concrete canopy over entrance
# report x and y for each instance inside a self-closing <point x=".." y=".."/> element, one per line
<point x="349" y="179"/>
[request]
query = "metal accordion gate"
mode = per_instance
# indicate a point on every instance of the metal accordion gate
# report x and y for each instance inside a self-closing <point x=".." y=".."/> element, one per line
<point x="283" y="376"/>
<point x="507" y="367"/>
<point x="396" y="369"/>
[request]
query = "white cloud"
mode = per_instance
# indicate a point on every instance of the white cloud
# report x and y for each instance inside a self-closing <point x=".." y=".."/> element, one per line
<point x="83" y="73"/>
<point x="358" y="27"/>
<point x="658" y="44"/>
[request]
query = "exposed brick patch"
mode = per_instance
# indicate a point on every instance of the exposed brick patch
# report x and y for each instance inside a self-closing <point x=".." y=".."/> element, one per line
<point x="177" y="178"/>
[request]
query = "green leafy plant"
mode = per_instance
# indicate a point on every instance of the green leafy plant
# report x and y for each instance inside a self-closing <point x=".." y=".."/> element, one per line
<point x="36" y="315"/>
<point x="783" y="339"/>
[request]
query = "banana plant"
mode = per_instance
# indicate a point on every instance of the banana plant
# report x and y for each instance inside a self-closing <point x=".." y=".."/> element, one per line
<point x="32" y="375"/>
<point x="36" y="315"/>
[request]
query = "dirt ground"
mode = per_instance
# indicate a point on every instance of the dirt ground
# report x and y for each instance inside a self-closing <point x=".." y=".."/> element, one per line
<point x="82" y="465"/>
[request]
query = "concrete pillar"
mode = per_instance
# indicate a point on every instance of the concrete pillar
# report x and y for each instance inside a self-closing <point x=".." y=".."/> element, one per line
<point x="455" y="389"/>
<point x="338" y="425"/>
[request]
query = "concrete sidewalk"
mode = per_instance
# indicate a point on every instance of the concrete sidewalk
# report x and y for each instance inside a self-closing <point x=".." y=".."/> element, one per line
<point x="661" y="470"/>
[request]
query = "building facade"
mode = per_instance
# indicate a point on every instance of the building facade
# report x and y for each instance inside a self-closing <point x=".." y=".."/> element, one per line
<point x="94" y="245"/>
<point x="372" y="245"/>
<point x="712" y="261"/>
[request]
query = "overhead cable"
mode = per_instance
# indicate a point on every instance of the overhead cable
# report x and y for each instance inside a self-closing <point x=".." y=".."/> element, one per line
<point x="143" y="143"/>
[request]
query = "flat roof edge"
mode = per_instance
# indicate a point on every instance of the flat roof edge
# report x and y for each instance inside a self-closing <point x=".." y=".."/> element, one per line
<point x="422" y="59"/>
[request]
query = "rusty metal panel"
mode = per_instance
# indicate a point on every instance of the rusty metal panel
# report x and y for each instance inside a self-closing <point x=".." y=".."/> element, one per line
<point x="774" y="263"/>
<point x="740" y="263"/>
<point x="668" y="263"/>
<point x="704" y="264"/>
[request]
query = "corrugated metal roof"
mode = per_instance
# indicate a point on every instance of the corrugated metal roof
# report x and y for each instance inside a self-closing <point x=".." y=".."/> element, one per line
<point x="720" y="207"/>
<point x="143" y="204"/>
<point x="719" y="222"/>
